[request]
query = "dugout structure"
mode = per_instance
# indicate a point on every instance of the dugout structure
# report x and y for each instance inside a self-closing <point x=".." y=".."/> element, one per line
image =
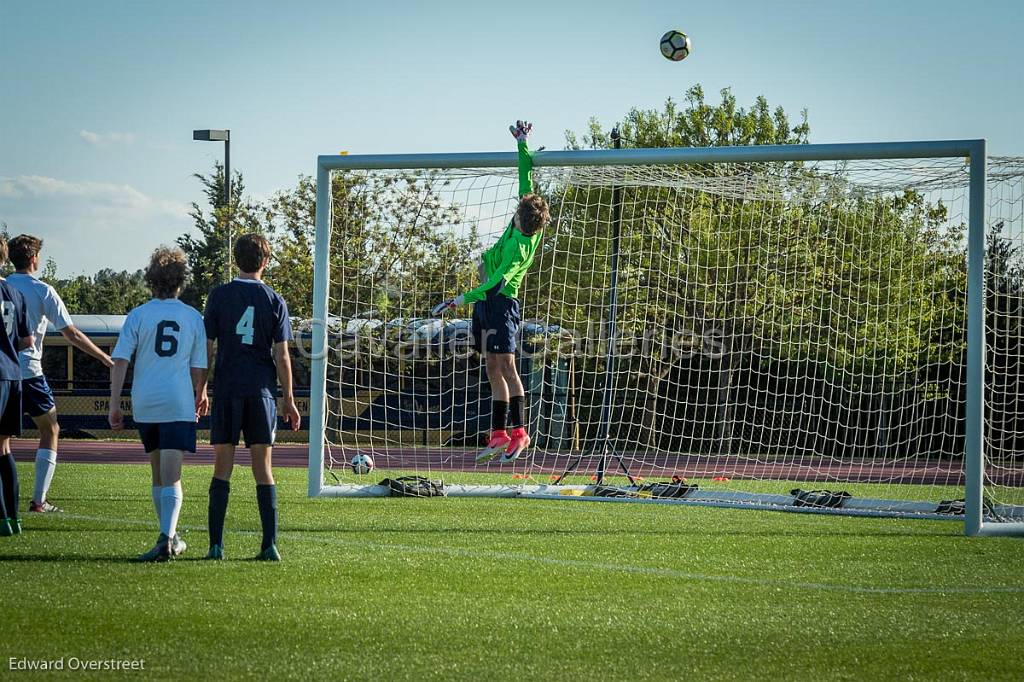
<point x="759" y="321"/>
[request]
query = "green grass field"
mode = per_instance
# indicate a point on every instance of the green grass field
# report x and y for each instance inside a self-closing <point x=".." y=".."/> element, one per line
<point x="467" y="588"/>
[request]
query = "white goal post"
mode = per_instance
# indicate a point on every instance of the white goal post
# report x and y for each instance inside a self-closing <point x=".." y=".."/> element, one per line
<point x="844" y="380"/>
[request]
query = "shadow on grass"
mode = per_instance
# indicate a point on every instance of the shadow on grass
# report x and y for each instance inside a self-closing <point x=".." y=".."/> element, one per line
<point x="703" y="533"/>
<point x="95" y="528"/>
<point x="70" y="558"/>
<point x="78" y="500"/>
<point x="97" y="558"/>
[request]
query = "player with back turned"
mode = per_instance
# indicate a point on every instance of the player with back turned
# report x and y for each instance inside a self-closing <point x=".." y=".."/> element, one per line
<point x="496" y="310"/>
<point x="248" y="323"/>
<point x="165" y="338"/>
<point x="17" y="336"/>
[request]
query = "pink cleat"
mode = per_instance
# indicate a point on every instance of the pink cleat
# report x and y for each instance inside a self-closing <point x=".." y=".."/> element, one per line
<point x="518" y="442"/>
<point x="498" y="442"/>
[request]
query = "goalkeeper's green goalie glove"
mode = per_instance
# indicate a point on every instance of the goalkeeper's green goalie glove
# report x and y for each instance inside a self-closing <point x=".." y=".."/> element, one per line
<point x="444" y="306"/>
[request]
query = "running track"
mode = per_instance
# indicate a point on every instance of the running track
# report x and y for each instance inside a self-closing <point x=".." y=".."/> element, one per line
<point x="123" y="452"/>
<point x="434" y="459"/>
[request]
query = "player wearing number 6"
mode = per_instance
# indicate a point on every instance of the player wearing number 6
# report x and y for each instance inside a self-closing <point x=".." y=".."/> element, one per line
<point x="248" y="321"/>
<point x="167" y="340"/>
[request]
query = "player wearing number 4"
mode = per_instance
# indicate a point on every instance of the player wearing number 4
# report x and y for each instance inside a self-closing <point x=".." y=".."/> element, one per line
<point x="248" y="321"/>
<point x="167" y="339"/>
<point x="496" y="314"/>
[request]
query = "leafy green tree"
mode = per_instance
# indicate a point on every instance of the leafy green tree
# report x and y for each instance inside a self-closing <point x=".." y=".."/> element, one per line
<point x="389" y="255"/>
<point x="773" y="263"/>
<point x="699" y="124"/>
<point x="1004" y="324"/>
<point x="108" y="292"/>
<point x="208" y="255"/>
<point x="664" y="232"/>
<point x="289" y="217"/>
<point x="115" y="293"/>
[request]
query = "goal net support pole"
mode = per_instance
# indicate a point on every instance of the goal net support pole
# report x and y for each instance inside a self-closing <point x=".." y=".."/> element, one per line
<point x="318" y="351"/>
<point x="975" y="443"/>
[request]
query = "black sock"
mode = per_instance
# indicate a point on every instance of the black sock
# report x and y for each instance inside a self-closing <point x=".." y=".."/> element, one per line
<point x="499" y="412"/>
<point x="266" y="498"/>
<point x="218" y="509"/>
<point x="9" y="474"/>
<point x="515" y="410"/>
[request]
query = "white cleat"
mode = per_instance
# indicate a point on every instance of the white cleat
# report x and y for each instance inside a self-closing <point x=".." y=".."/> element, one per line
<point x="178" y="545"/>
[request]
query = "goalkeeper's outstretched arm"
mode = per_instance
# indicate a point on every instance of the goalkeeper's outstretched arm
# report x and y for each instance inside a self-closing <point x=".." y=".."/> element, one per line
<point x="511" y="258"/>
<point x="521" y="131"/>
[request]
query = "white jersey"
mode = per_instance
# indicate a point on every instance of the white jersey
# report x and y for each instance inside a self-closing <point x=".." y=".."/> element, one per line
<point x="42" y="304"/>
<point x="167" y="339"/>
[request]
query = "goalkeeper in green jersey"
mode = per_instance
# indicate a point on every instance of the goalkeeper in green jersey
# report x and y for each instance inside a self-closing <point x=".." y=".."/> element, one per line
<point x="496" y="310"/>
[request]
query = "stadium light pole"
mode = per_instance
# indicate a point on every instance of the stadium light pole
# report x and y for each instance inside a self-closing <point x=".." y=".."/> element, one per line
<point x="218" y="136"/>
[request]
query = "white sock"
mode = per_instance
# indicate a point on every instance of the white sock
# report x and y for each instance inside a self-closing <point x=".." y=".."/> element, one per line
<point x="46" y="461"/>
<point x="156" y="502"/>
<point x="170" y="507"/>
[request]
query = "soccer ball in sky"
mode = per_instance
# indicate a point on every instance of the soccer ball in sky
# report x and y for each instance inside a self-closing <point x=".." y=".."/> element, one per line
<point x="362" y="464"/>
<point x="675" y="45"/>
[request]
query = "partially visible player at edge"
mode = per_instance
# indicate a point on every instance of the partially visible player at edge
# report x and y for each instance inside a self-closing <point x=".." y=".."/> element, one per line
<point x="496" y="310"/>
<point x="16" y="336"/>
<point x="248" y="323"/>
<point x="167" y="339"/>
<point x="44" y="305"/>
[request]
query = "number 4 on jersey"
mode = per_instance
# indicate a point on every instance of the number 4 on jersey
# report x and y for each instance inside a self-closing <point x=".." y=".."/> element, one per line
<point x="244" y="327"/>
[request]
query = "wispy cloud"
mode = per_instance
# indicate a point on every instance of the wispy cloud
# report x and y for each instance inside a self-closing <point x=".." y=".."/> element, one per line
<point x="89" y="225"/>
<point x="105" y="139"/>
<point x="100" y="195"/>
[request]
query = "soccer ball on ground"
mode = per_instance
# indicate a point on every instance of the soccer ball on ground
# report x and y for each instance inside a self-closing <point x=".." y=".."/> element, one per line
<point x="675" y="45"/>
<point x="362" y="464"/>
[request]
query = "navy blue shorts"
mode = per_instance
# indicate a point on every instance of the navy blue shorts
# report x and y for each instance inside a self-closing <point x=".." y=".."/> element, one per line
<point x="10" y="408"/>
<point x="254" y="417"/>
<point x="496" y="321"/>
<point x="36" y="396"/>
<point x="168" y="436"/>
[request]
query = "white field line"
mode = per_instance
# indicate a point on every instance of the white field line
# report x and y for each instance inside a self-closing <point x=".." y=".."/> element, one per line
<point x="585" y="565"/>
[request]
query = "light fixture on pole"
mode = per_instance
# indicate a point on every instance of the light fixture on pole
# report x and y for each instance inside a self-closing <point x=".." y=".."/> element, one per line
<point x="218" y="136"/>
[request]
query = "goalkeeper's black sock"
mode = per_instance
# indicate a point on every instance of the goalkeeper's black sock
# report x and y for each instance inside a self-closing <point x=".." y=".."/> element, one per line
<point x="219" y="491"/>
<point x="499" y="413"/>
<point x="515" y="410"/>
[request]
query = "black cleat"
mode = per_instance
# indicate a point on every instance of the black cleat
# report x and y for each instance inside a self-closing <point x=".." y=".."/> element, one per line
<point x="163" y="550"/>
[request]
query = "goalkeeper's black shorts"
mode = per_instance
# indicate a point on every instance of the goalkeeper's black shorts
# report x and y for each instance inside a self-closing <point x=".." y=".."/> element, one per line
<point x="496" y="322"/>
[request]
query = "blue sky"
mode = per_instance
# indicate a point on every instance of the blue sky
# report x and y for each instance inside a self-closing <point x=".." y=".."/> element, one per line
<point x="98" y="99"/>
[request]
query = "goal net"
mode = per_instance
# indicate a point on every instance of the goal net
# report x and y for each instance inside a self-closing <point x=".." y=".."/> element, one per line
<point x="696" y="330"/>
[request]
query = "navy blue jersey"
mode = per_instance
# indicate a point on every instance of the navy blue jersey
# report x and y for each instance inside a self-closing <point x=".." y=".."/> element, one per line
<point x="246" y="318"/>
<point x="12" y="305"/>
